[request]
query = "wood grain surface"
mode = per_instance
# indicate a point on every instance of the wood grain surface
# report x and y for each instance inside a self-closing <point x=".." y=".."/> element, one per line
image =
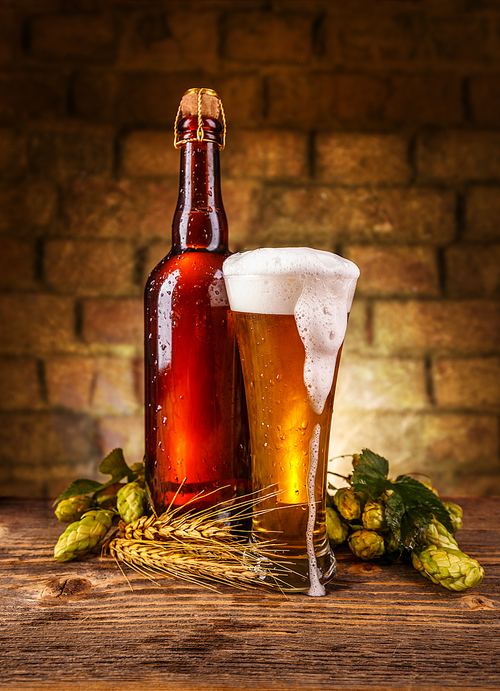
<point x="82" y="626"/>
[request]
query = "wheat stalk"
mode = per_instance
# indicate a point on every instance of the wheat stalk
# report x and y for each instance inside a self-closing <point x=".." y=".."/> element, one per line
<point x="201" y="545"/>
<point x="244" y="567"/>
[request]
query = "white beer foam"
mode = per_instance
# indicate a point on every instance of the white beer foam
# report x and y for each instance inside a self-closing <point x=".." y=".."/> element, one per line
<point x="317" y="287"/>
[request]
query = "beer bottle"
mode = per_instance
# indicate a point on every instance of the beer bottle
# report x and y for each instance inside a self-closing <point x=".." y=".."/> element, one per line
<point x="196" y="422"/>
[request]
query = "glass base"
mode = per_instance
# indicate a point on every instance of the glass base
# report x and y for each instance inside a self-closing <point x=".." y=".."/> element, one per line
<point x="291" y="571"/>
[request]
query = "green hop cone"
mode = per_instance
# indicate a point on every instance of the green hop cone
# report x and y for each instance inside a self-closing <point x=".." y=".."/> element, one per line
<point x="106" y="498"/>
<point x="347" y="503"/>
<point x="72" y="509"/>
<point x="450" y="568"/>
<point x="367" y="544"/>
<point x="456" y="514"/>
<point x="131" y="500"/>
<point x="374" y="516"/>
<point x="436" y="534"/>
<point x="336" y="529"/>
<point x="82" y="536"/>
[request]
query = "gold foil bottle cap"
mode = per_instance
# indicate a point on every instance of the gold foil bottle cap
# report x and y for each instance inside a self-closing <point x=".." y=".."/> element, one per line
<point x="202" y="103"/>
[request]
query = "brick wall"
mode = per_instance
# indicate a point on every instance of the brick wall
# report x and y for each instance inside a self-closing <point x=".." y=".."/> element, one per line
<point x="367" y="127"/>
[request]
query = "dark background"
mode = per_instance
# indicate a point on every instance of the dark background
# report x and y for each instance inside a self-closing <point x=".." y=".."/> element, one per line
<point x="370" y="128"/>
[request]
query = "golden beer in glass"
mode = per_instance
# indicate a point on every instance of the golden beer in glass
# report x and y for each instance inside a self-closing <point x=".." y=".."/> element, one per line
<point x="290" y="308"/>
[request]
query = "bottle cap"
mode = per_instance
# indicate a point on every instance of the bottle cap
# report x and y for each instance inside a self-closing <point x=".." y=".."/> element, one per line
<point x="202" y="103"/>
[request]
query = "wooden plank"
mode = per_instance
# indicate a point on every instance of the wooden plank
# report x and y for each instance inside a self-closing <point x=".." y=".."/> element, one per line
<point x="380" y="626"/>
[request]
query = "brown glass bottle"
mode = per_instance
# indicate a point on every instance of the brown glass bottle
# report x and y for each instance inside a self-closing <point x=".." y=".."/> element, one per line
<point x="196" y="422"/>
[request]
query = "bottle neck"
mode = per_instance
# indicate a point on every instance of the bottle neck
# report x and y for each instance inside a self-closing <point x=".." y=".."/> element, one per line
<point x="200" y="220"/>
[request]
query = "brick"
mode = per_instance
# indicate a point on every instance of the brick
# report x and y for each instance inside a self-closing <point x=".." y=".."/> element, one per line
<point x="461" y="442"/>
<point x="19" y="384"/>
<point x="381" y="384"/>
<point x="396" y="436"/>
<point x="125" y="432"/>
<point x="154" y="254"/>
<point x="27" y="205"/>
<point x="395" y="271"/>
<point x="92" y="94"/>
<point x="73" y="37"/>
<point x="460" y="38"/>
<point x="149" y="153"/>
<point x="10" y="36"/>
<point x="101" y="385"/>
<point x="302" y="100"/>
<point x="12" y="153"/>
<point x="483" y="94"/>
<point x="266" y="154"/>
<point x="46" y="451"/>
<point x="461" y="327"/>
<point x="89" y="266"/>
<point x="71" y="150"/>
<point x="434" y="99"/>
<point x="176" y="41"/>
<point x="361" y="98"/>
<point x="268" y="37"/>
<point x="458" y="156"/>
<point x="240" y="202"/>
<point x="445" y="446"/>
<point x="413" y="215"/>
<point x="359" y="159"/>
<point x="36" y="322"/>
<point x="150" y="98"/>
<point x="132" y="210"/>
<point x="17" y="264"/>
<point x="32" y="95"/>
<point x="377" y="38"/>
<point x="243" y="98"/>
<point x="69" y="382"/>
<point x="113" y="321"/>
<point x="482" y="218"/>
<point x="473" y="271"/>
<point x="357" y="339"/>
<point x="472" y="383"/>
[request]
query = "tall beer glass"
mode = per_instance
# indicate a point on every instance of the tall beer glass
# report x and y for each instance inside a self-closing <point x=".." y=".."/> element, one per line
<point x="290" y="307"/>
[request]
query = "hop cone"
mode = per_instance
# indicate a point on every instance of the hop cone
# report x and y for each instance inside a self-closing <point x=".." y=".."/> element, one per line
<point x="436" y="534"/>
<point x="456" y="514"/>
<point x="82" y="536"/>
<point x="130" y="502"/>
<point x="72" y="509"/>
<point x="336" y="529"/>
<point x="367" y="544"/>
<point x="347" y="503"/>
<point x="106" y="498"/>
<point x="450" y="568"/>
<point x="374" y="516"/>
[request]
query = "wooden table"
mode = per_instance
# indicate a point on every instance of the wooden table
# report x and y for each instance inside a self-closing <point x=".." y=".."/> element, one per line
<point x="80" y="626"/>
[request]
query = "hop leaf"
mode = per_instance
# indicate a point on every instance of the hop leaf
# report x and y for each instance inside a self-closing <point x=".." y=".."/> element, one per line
<point x="82" y="536"/>
<point x="450" y="568"/>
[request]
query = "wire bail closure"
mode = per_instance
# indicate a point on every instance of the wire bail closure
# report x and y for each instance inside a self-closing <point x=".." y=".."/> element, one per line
<point x="200" y="132"/>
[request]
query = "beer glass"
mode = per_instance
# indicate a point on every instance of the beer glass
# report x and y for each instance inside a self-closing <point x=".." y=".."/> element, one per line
<point x="290" y="308"/>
